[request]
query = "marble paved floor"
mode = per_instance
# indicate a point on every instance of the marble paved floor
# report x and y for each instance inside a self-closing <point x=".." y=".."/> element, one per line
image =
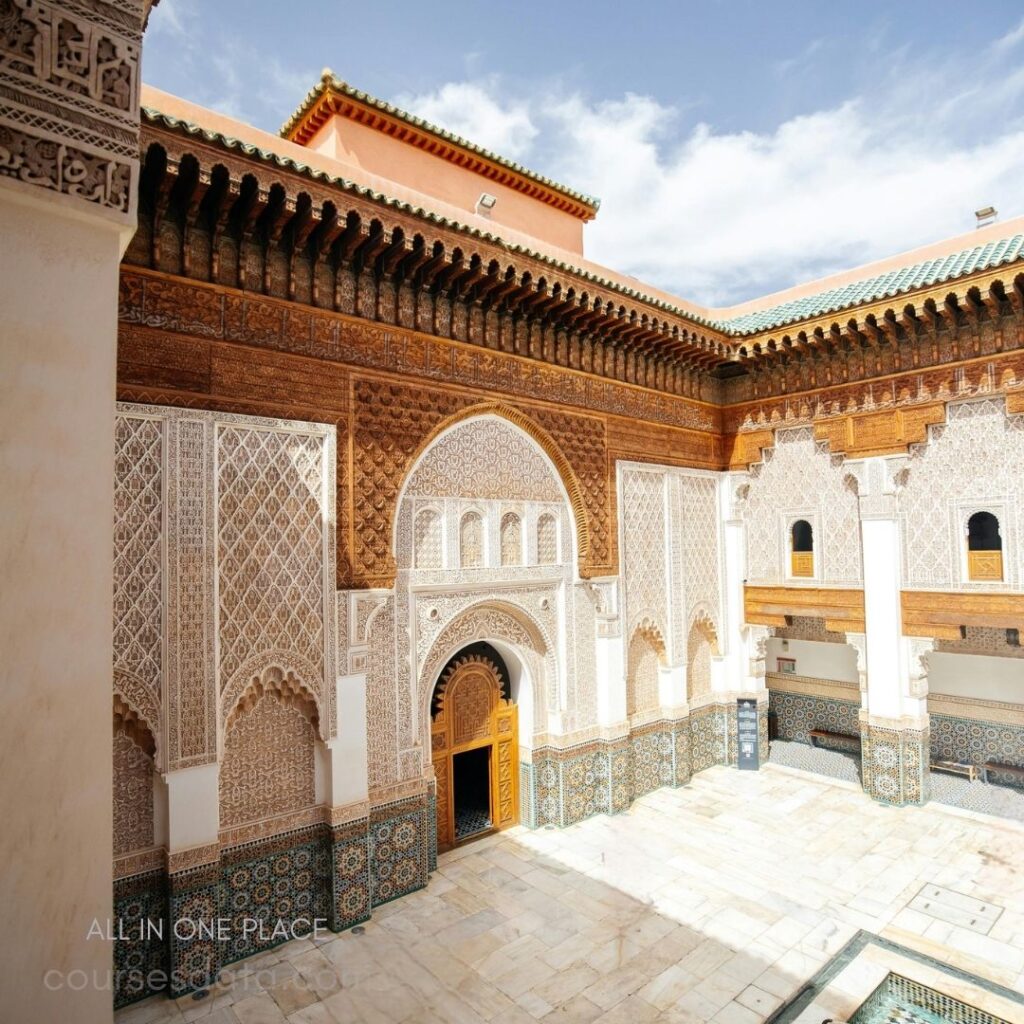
<point x="714" y="902"/>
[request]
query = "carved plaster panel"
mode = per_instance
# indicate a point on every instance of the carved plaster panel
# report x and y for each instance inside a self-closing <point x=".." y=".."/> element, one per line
<point x="970" y="463"/>
<point x="247" y="512"/>
<point x="69" y="106"/>
<point x="139" y="550"/>
<point x="644" y="562"/>
<point x="800" y="476"/>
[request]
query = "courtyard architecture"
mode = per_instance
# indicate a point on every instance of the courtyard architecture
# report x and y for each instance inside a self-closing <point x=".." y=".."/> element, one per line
<point x="380" y="561"/>
<point x="658" y="914"/>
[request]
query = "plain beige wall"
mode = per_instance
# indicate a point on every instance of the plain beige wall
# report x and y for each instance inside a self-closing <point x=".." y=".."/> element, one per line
<point x="58" y="318"/>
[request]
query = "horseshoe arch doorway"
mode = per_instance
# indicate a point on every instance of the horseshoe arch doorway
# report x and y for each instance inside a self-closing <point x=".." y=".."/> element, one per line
<point x="474" y="736"/>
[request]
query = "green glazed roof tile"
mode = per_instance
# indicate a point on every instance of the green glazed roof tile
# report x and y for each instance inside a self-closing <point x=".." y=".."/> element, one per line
<point x="882" y="286"/>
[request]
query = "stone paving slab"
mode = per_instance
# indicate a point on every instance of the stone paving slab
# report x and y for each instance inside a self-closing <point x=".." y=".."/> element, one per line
<point x="713" y="902"/>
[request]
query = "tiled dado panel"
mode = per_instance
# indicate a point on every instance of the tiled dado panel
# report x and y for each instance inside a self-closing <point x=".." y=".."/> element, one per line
<point x="967" y="739"/>
<point x="797" y="713"/>
<point x="709" y="736"/>
<point x="399" y="848"/>
<point x="140" y="905"/>
<point x="336" y="874"/>
<point x="562" y="787"/>
<point x="281" y="879"/>
<point x="894" y="764"/>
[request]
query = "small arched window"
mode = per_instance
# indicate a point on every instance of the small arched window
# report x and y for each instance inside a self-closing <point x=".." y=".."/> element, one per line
<point x="471" y="541"/>
<point x="801" y="537"/>
<point x="984" y="548"/>
<point x="547" y="540"/>
<point x="511" y="539"/>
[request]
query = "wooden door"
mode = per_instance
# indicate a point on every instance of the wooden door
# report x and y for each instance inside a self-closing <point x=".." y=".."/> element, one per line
<point x="471" y="713"/>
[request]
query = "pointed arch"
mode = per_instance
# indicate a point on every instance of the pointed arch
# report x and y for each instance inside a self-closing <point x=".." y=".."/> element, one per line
<point x="562" y="467"/>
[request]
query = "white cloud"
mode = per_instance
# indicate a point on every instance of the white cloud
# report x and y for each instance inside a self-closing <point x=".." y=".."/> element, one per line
<point x="471" y="110"/>
<point x="1011" y="39"/>
<point x="719" y="217"/>
<point x="172" y="17"/>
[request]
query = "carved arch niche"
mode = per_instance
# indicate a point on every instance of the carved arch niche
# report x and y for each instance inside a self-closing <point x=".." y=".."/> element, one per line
<point x="269" y="754"/>
<point x="473" y="720"/>
<point x="701" y="647"/>
<point x="133" y="777"/>
<point x="645" y="658"/>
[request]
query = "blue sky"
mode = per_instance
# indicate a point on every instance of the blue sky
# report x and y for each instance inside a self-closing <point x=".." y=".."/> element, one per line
<point x="737" y="147"/>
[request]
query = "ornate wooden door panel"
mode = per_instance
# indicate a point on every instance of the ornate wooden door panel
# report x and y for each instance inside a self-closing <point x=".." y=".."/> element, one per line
<point x="470" y="714"/>
<point x="445" y="811"/>
<point x="505" y="773"/>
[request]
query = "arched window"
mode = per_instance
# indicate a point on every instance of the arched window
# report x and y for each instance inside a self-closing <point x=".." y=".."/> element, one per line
<point x="547" y="540"/>
<point x="471" y="541"/>
<point x="427" y="543"/>
<point x="511" y="539"/>
<point x="801" y="538"/>
<point x="984" y="548"/>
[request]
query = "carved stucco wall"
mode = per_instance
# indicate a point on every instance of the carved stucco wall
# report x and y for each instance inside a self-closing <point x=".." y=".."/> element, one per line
<point x="701" y="644"/>
<point x="488" y="467"/>
<point x="642" y="675"/>
<point x="270" y="548"/>
<point x="69" y="100"/>
<point x="800" y="478"/>
<point x="644" y="562"/>
<point x="672" y="553"/>
<point x="133" y="796"/>
<point x="971" y="462"/>
<point x="216" y="503"/>
<point x="268" y="763"/>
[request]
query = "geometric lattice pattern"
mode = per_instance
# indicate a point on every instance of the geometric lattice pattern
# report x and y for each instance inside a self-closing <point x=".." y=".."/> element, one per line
<point x="966" y="739"/>
<point x="547" y="540"/>
<point x="138" y="548"/>
<point x="643" y="514"/>
<point x="427" y="542"/>
<point x="270" y="547"/>
<point x="701" y="559"/>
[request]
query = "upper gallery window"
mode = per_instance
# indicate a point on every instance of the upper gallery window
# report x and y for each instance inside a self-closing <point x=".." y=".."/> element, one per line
<point x="471" y="541"/>
<point x="984" y="548"/>
<point x="511" y="539"/>
<point x="801" y="538"/>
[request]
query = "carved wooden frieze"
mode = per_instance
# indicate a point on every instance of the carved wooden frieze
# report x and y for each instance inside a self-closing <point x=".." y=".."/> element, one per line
<point x="941" y="614"/>
<point x="841" y="608"/>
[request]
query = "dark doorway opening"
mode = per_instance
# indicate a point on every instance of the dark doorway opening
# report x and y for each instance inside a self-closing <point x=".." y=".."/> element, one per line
<point x="472" y="771"/>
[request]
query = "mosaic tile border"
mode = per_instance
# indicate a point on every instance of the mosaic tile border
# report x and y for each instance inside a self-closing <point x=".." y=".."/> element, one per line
<point x="921" y="996"/>
<point x="791" y="1010"/>
<point x="565" y="785"/>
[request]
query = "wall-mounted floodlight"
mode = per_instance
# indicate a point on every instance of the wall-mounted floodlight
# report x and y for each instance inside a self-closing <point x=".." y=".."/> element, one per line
<point x="485" y="204"/>
<point x="986" y="215"/>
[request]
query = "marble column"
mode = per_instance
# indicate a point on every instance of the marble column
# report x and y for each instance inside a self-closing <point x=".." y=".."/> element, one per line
<point x="894" y="720"/>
